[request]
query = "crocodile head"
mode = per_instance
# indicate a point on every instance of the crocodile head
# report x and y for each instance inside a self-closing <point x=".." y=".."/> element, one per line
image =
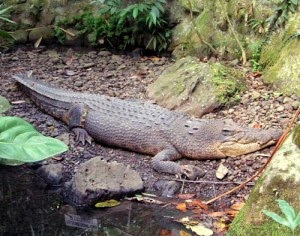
<point x="237" y="140"/>
<point x="209" y="139"/>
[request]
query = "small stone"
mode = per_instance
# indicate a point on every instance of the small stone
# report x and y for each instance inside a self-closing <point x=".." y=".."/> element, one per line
<point x="255" y="95"/>
<point x="280" y="108"/>
<point x="221" y="171"/>
<point x="287" y="100"/>
<point x="104" y="53"/>
<point x="65" y="138"/>
<point x="167" y="188"/>
<point x="295" y="104"/>
<point x="78" y="83"/>
<point x="230" y="110"/>
<point x="52" y="173"/>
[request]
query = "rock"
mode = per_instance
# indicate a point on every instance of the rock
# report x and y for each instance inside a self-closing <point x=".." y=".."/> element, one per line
<point x="281" y="59"/>
<point x="104" y="53"/>
<point x="97" y="180"/>
<point x="222" y="171"/>
<point x="20" y="36"/>
<point x="195" y="87"/>
<point x="280" y="176"/>
<point x="52" y="173"/>
<point x="167" y="188"/>
<point x="280" y="108"/>
<point x="46" y="32"/>
<point x="255" y="95"/>
<point x="65" y="138"/>
<point x="295" y="104"/>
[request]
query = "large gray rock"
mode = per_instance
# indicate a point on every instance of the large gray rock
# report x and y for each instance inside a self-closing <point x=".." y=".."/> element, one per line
<point x="195" y="87"/>
<point x="97" y="180"/>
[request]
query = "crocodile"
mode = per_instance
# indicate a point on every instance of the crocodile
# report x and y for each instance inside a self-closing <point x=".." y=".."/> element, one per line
<point x="146" y="128"/>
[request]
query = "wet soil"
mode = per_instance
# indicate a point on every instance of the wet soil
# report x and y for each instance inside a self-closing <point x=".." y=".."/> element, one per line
<point x="124" y="76"/>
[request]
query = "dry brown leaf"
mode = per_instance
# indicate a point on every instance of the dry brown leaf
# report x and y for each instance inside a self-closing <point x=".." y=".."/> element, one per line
<point x="237" y="206"/>
<point x="183" y="233"/>
<point x="165" y="232"/>
<point x="196" y="203"/>
<point x="217" y="214"/>
<point x="186" y="196"/>
<point x="181" y="207"/>
<point x="256" y="126"/>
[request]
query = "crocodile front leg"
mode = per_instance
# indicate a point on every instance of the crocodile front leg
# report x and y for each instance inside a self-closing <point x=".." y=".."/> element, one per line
<point x="75" y="118"/>
<point x="163" y="162"/>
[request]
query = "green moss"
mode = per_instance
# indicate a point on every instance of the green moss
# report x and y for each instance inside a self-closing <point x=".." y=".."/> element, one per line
<point x="296" y="136"/>
<point x="251" y="220"/>
<point x="229" y="83"/>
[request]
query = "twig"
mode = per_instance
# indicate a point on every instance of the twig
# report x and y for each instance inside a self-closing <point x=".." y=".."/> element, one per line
<point x="207" y="182"/>
<point x="280" y="141"/>
<point x="197" y="31"/>
<point x="244" y="57"/>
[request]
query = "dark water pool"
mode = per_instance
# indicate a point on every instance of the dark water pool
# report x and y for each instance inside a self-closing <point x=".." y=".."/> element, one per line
<point x="29" y="208"/>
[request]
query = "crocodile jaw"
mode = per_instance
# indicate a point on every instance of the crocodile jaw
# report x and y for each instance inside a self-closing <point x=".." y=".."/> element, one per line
<point x="233" y="149"/>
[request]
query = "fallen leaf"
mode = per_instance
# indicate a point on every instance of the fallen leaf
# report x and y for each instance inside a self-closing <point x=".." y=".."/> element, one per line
<point x="183" y="233"/>
<point x="196" y="203"/>
<point x="154" y="59"/>
<point x="221" y="225"/>
<point x="200" y="229"/>
<point x="186" y="196"/>
<point x="237" y="206"/>
<point x="217" y="214"/>
<point x="18" y="102"/>
<point x="108" y="203"/>
<point x="38" y="42"/>
<point x="165" y="232"/>
<point x="181" y="207"/>
<point x="256" y="125"/>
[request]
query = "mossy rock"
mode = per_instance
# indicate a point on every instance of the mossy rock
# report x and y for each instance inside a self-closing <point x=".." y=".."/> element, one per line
<point x="47" y="34"/>
<point x="211" y="24"/>
<point x="280" y="180"/>
<point x="192" y="5"/>
<point x="281" y="59"/>
<point x="195" y="87"/>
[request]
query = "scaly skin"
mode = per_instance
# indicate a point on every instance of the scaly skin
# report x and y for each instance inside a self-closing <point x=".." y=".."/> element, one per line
<point x="146" y="128"/>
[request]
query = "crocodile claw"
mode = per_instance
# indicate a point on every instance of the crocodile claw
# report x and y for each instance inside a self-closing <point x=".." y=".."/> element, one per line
<point x="81" y="136"/>
<point x="191" y="172"/>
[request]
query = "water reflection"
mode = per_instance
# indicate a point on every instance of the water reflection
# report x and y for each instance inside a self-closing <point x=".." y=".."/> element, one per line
<point x="29" y="208"/>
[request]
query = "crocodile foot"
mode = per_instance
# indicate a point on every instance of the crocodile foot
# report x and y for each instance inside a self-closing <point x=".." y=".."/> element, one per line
<point x="191" y="172"/>
<point x="81" y="136"/>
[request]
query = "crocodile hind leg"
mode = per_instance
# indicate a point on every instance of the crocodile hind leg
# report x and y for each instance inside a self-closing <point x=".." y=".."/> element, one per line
<point x="163" y="162"/>
<point x="75" y="118"/>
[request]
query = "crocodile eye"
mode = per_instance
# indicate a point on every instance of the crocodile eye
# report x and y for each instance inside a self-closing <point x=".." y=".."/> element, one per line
<point x="227" y="132"/>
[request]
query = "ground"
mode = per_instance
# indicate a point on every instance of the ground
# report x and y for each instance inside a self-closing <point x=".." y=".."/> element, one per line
<point x="125" y="76"/>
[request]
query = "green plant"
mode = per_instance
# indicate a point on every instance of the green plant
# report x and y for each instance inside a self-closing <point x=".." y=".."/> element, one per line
<point x="4" y="15"/>
<point x="291" y="220"/>
<point x="141" y="24"/>
<point x="256" y="50"/>
<point x="282" y="13"/>
<point x="21" y="143"/>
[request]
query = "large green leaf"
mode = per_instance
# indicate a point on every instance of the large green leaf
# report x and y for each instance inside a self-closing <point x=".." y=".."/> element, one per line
<point x="4" y="104"/>
<point x="20" y="142"/>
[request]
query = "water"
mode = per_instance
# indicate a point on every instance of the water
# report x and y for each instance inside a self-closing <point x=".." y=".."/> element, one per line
<point x="29" y="208"/>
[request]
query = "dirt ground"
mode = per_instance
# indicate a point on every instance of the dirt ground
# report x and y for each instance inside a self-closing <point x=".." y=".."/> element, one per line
<point x="123" y="76"/>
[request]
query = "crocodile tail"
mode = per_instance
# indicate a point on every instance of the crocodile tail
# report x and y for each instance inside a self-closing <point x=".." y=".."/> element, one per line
<point x="49" y="99"/>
